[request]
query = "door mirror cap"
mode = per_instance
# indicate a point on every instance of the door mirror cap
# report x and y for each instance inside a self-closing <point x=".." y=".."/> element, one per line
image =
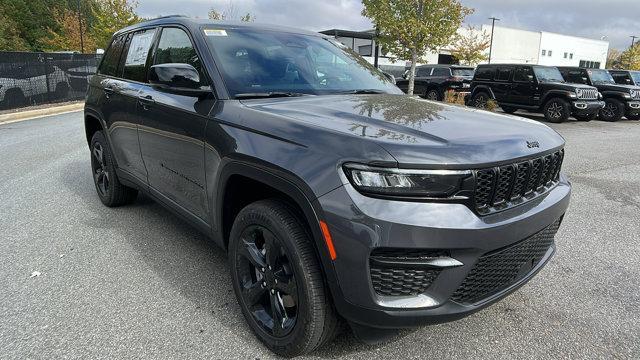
<point x="181" y="79"/>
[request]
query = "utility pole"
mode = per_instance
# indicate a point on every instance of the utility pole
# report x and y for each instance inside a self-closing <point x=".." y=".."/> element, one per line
<point x="376" y="50"/>
<point x="80" y="28"/>
<point x="633" y="40"/>
<point x="493" y="25"/>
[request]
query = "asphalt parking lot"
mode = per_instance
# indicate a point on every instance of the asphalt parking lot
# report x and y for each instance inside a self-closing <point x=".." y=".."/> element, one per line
<point x="137" y="282"/>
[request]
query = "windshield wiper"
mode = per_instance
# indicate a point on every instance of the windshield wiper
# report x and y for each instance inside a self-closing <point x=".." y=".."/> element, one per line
<point x="271" y="94"/>
<point x="363" y="91"/>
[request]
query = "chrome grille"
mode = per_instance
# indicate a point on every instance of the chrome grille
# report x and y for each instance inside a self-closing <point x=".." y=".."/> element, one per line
<point x="587" y="94"/>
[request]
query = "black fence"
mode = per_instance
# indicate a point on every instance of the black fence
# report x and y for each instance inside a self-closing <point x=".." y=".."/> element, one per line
<point x="42" y="78"/>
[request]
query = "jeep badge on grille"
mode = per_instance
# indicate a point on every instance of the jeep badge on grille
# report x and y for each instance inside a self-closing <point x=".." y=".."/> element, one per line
<point x="533" y="144"/>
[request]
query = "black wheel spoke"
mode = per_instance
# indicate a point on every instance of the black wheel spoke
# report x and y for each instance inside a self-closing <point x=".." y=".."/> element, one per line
<point x="272" y="249"/>
<point x="254" y="293"/>
<point x="250" y="251"/>
<point x="97" y="153"/>
<point x="277" y="314"/>
<point x="285" y="284"/>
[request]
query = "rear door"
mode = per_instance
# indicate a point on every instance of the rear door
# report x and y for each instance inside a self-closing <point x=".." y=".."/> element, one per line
<point x="523" y="86"/>
<point x="173" y="128"/>
<point x="502" y="84"/>
<point x="423" y="77"/>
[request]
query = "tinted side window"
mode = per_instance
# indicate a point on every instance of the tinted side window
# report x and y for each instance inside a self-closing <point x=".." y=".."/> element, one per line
<point x="423" y="72"/>
<point x="484" y="73"/>
<point x="621" y="78"/>
<point x="503" y="74"/>
<point x="137" y="53"/>
<point x="109" y="64"/>
<point x="523" y="74"/>
<point x="575" y="76"/>
<point x="176" y="47"/>
<point x="441" y="72"/>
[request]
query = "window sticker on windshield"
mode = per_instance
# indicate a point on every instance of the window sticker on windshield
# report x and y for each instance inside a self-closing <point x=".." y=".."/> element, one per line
<point x="215" y="32"/>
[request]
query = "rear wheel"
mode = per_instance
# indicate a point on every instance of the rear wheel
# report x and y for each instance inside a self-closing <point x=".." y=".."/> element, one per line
<point x="585" y="117"/>
<point x="277" y="280"/>
<point x="613" y="110"/>
<point x="557" y="110"/>
<point x="480" y="100"/>
<point x="110" y="191"/>
<point x="509" y="109"/>
<point x="433" y="94"/>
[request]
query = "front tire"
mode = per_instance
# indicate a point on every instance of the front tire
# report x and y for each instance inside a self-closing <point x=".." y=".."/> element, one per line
<point x="278" y="281"/>
<point x="557" y="110"/>
<point x="585" y="117"/>
<point x="613" y="110"/>
<point x="111" y="192"/>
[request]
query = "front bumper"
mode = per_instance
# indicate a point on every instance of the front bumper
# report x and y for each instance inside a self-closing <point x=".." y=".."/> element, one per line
<point x="632" y="107"/>
<point x="582" y="107"/>
<point x="360" y="225"/>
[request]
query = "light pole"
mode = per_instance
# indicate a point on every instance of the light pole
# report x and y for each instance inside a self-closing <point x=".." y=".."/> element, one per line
<point x="633" y="40"/>
<point x="80" y="28"/>
<point x="493" y="25"/>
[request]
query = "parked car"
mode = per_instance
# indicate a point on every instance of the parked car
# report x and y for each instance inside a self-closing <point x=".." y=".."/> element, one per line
<point x="620" y="100"/>
<point x="335" y="195"/>
<point x="19" y="84"/>
<point x="534" y="88"/>
<point x="433" y="81"/>
<point x="626" y="77"/>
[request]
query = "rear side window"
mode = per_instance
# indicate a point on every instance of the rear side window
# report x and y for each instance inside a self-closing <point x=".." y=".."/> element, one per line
<point x="109" y="64"/>
<point x="137" y="53"/>
<point x="503" y="74"/>
<point x="423" y="72"/>
<point x="484" y="73"/>
<point x="176" y="47"/>
<point x="441" y="72"/>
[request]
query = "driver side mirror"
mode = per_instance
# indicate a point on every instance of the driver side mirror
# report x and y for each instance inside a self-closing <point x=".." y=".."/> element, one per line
<point x="530" y="78"/>
<point x="182" y="79"/>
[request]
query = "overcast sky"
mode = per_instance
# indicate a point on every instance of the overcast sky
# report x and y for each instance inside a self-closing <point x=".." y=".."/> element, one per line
<point x="614" y="19"/>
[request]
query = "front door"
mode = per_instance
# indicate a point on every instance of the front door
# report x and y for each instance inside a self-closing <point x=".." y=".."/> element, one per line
<point x="173" y="128"/>
<point x="523" y="87"/>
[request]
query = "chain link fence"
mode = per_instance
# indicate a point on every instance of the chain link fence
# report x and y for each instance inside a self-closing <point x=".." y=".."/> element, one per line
<point x="43" y="78"/>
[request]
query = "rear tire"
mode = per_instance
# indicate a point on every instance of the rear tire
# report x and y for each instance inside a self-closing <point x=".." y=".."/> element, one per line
<point x="509" y="109"/>
<point x="268" y="242"/>
<point x="480" y="100"/>
<point x="110" y="191"/>
<point x="557" y="110"/>
<point x="433" y="95"/>
<point x="613" y="110"/>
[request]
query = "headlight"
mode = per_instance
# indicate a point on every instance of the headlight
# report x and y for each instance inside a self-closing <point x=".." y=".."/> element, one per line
<point x="579" y="93"/>
<point x="633" y="93"/>
<point x="401" y="182"/>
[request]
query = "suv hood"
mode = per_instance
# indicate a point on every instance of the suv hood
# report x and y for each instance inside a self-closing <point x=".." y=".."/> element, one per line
<point x="617" y="87"/>
<point x="566" y="86"/>
<point x="420" y="133"/>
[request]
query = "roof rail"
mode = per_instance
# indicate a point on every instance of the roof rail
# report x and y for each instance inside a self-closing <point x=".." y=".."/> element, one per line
<point x="169" y="16"/>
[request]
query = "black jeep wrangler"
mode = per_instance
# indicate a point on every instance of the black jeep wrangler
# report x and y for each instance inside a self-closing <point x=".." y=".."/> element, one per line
<point x="620" y="100"/>
<point x="533" y="88"/>
<point x="433" y="81"/>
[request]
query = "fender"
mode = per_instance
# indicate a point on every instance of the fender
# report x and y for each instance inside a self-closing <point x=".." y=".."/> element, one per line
<point x="485" y="88"/>
<point x="557" y="93"/>
<point x="612" y="94"/>
<point x="286" y="183"/>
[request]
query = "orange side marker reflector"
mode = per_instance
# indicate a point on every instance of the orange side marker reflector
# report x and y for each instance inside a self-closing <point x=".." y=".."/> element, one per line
<point x="327" y="239"/>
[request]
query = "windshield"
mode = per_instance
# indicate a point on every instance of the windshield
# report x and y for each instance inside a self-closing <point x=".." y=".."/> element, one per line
<point x="548" y="74"/>
<point x="268" y="62"/>
<point x="600" y="77"/>
<point x="462" y="72"/>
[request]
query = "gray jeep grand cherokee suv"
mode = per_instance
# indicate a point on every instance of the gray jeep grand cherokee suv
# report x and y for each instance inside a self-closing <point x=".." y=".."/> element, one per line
<point x="336" y="196"/>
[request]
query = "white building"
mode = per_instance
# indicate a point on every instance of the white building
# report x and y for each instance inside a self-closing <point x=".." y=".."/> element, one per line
<point x="509" y="46"/>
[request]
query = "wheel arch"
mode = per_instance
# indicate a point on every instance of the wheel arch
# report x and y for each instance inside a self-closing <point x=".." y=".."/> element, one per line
<point x="92" y="124"/>
<point x="482" y="88"/>
<point x="565" y="95"/>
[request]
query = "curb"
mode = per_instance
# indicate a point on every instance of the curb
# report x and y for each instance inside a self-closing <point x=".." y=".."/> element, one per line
<point x="38" y="113"/>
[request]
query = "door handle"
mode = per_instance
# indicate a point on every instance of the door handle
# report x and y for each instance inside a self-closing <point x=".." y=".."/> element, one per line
<point x="146" y="101"/>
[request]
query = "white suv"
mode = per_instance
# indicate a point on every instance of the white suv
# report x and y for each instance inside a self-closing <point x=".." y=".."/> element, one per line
<point x="22" y="83"/>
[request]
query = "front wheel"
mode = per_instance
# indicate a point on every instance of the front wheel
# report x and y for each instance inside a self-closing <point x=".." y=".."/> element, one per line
<point x="585" y="117"/>
<point x="277" y="280"/>
<point x="110" y="191"/>
<point x="557" y="110"/>
<point x="613" y="110"/>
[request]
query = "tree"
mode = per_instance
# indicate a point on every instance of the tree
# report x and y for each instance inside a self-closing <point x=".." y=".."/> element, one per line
<point x="67" y="35"/>
<point x="27" y="22"/>
<point x="470" y="45"/>
<point x="630" y="58"/>
<point x="110" y="16"/>
<point x="613" y="59"/>
<point x="10" y="39"/>
<point x="230" y="13"/>
<point x="410" y="28"/>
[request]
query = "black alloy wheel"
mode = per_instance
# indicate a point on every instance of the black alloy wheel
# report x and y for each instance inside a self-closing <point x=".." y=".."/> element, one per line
<point x="613" y="110"/>
<point x="480" y="100"/>
<point x="557" y="110"/>
<point x="110" y="191"/>
<point x="432" y="95"/>
<point x="267" y="283"/>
